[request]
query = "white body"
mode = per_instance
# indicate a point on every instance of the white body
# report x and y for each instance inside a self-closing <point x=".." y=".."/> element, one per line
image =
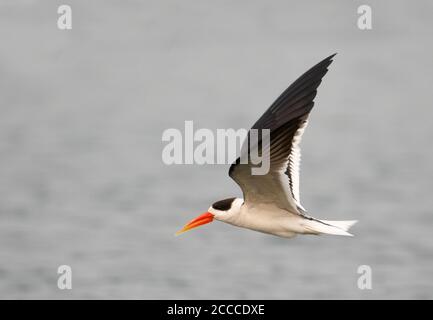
<point x="271" y="201"/>
<point x="268" y="218"/>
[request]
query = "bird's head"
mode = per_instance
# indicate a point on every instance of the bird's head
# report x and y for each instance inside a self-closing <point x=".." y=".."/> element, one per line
<point x="221" y="210"/>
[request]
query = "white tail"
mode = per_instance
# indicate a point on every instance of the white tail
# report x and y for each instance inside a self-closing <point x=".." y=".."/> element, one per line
<point x="340" y="228"/>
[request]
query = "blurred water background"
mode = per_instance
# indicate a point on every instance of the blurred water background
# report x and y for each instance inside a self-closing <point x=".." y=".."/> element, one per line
<point x="82" y="182"/>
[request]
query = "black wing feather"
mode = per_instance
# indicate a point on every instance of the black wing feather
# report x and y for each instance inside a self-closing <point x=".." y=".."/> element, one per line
<point x="296" y="100"/>
<point x="284" y="117"/>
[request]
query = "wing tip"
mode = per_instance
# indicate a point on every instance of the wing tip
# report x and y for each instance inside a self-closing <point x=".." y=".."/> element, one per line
<point x="326" y="62"/>
<point x="332" y="55"/>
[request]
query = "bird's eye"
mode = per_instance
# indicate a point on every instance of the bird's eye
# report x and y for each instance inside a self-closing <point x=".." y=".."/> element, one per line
<point x="223" y="205"/>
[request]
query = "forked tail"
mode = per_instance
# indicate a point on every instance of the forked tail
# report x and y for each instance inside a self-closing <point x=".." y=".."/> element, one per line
<point x="340" y="228"/>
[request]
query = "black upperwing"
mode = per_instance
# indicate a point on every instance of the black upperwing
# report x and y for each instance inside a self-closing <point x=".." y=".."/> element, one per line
<point x="286" y="118"/>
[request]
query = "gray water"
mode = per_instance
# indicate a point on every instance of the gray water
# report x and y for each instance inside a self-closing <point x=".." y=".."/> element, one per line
<point x="82" y="182"/>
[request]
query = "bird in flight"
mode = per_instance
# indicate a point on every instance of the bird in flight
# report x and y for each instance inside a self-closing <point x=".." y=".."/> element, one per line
<point x="271" y="202"/>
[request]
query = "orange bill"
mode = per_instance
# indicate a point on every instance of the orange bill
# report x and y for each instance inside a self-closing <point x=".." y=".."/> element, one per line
<point x="197" y="222"/>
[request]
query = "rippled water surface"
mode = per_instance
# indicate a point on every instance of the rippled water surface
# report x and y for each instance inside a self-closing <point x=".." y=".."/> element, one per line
<point x="81" y="177"/>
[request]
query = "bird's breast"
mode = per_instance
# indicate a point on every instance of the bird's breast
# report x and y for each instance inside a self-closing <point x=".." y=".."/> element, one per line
<point x="269" y="219"/>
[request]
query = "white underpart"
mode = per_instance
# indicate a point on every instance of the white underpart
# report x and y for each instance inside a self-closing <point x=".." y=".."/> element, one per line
<point x="295" y="161"/>
<point x="339" y="228"/>
<point x="268" y="218"/>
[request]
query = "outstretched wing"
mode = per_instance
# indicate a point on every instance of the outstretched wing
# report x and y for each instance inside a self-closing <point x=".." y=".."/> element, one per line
<point x="286" y="119"/>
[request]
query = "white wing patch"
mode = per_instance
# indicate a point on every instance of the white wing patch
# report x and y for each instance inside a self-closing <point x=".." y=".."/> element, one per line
<point x="294" y="163"/>
<point x="281" y="185"/>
